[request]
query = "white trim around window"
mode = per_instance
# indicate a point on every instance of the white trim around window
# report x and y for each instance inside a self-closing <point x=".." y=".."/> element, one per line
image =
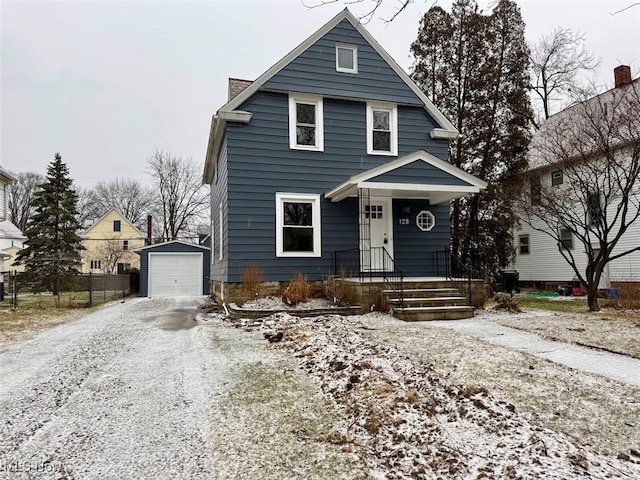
<point x="298" y="229"/>
<point x="306" y="133"/>
<point x="349" y="65"/>
<point x="382" y="129"/>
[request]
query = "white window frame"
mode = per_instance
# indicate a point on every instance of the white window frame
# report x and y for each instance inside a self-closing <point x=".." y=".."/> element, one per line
<point x="393" y="125"/>
<point x="555" y="176"/>
<point x="294" y="99"/>
<point x="354" y="53"/>
<point x="431" y="222"/>
<point x="527" y="244"/>
<point x="312" y="198"/>
<point x="563" y="241"/>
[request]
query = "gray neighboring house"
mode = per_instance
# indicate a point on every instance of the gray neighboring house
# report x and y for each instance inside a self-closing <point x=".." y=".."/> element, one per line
<point x="332" y="157"/>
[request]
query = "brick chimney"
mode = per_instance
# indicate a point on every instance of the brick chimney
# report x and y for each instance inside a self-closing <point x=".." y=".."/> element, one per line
<point x="622" y="75"/>
<point x="237" y="85"/>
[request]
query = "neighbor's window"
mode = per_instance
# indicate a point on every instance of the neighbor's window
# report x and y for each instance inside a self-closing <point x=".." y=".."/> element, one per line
<point x="297" y="225"/>
<point x="535" y="190"/>
<point x="523" y="244"/>
<point x="305" y="123"/>
<point x="425" y="220"/>
<point x="125" y="245"/>
<point x="566" y="239"/>
<point x="116" y="225"/>
<point x="557" y="178"/>
<point x="96" y="264"/>
<point x="382" y="129"/>
<point x="346" y="58"/>
<point x="594" y="209"/>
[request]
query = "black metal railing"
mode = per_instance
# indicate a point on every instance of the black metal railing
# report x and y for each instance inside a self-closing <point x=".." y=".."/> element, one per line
<point x="449" y="266"/>
<point x="371" y="263"/>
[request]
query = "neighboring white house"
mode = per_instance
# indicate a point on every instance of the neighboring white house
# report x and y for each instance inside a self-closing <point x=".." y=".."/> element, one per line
<point x="538" y="258"/>
<point x="11" y="238"/>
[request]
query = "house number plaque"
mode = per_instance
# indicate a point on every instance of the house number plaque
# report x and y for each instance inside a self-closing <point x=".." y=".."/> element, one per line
<point x="403" y="221"/>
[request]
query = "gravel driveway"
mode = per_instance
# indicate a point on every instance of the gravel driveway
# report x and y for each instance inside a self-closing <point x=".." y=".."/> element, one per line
<point x="124" y="392"/>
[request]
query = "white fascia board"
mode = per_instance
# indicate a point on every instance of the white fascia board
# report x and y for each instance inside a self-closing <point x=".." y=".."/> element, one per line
<point x="239" y="116"/>
<point x="216" y="134"/>
<point x="441" y="120"/>
<point x="441" y="133"/>
<point x="418" y="187"/>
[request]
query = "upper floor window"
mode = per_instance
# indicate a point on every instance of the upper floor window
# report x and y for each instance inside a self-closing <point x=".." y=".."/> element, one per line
<point x="594" y="209"/>
<point x="557" y="178"/>
<point x="116" y="225"/>
<point x="566" y="239"/>
<point x="346" y="58"/>
<point x="535" y="189"/>
<point x="125" y="245"/>
<point x="305" y="123"/>
<point x="382" y="129"/>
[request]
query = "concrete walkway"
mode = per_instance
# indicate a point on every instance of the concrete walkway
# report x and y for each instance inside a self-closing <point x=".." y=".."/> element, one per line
<point x="616" y="367"/>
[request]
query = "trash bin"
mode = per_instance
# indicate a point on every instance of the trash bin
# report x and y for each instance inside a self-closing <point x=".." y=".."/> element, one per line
<point x="510" y="280"/>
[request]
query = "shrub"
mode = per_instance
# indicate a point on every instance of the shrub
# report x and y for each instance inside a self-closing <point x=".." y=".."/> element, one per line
<point x="338" y="291"/>
<point x="252" y="278"/>
<point x="298" y="291"/>
<point x="505" y="301"/>
<point x="628" y="296"/>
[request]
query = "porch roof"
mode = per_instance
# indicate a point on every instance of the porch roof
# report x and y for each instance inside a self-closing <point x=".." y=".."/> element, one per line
<point x="417" y="175"/>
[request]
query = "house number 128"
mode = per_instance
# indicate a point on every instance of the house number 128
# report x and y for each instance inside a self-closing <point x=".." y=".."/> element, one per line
<point x="403" y="221"/>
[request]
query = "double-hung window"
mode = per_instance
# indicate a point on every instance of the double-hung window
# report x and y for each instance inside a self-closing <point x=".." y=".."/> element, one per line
<point x="566" y="239"/>
<point x="594" y="209"/>
<point x="116" y="225"/>
<point x="298" y="225"/>
<point x="382" y="129"/>
<point x="305" y="123"/>
<point x="557" y="178"/>
<point x="523" y="241"/>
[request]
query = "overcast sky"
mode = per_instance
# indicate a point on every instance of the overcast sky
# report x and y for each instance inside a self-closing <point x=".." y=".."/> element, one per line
<point x="107" y="83"/>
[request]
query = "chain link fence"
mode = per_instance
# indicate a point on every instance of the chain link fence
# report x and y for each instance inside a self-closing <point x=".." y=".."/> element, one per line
<point x="18" y="289"/>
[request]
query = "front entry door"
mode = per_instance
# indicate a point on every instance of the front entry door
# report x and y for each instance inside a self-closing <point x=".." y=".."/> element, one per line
<point x="377" y="218"/>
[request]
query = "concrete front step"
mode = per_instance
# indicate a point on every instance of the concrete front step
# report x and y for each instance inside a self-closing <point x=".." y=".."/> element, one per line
<point x="424" y="292"/>
<point x="427" y="301"/>
<point x="420" y="314"/>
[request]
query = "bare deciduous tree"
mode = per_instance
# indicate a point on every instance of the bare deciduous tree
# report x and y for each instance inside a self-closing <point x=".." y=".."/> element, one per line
<point x="596" y="144"/>
<point x="128" y="197"/>
<point x="366" y="17"/>
<point x="110" y="252"/>
<point x="183" y="199"/>
<point x="557" y="60"/>
<point x="21" y="197"/>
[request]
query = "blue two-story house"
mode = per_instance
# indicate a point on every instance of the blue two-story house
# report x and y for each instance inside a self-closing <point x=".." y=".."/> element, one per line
<point x="332" y="158"/>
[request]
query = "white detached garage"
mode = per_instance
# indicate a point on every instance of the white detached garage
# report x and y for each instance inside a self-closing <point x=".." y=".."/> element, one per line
<point x="173" y="269"/>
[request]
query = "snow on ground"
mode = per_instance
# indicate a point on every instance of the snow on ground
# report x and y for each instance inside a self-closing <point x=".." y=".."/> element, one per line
<point x="276" y="303"/>
<point x="151" y="389"/>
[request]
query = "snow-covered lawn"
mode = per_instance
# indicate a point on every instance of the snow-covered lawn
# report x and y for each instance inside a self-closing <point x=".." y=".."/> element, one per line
<point x="607" y="331"/>
<point x="151" y="389"/>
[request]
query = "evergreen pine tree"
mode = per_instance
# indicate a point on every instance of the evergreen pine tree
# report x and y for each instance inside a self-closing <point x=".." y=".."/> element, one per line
<point x="52" y="252"/>
<point x="475" y="67"/>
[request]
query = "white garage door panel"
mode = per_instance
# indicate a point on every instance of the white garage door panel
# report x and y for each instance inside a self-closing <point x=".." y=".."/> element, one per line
<point x="175" y="274"/>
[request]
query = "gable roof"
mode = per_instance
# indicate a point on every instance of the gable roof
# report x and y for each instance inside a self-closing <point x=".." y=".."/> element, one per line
<point x="229" y="112"/>
<point x="122" y="218"/>
<point x="446" y="130"/>
<point x="193" y="246"/>
<point x="440" y="191"/>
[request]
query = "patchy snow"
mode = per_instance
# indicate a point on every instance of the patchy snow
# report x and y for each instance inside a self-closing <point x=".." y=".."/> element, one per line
<point x="406" y="421"/>
<point x="154" y="389"/>
<point x="276" y="303"/>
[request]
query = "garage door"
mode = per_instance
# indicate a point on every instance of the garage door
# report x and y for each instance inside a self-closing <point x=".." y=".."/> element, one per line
<point x="175" y="274"/>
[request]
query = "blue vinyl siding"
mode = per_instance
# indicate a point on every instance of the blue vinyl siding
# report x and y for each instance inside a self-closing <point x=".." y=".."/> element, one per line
<point x="420" y="172"/>
<point x="177" y="247"/>
<point x="314" y="71"/>
<point x="260" y="164"/>
<point x="218" y="196"/>
<point x="414" y="250"/>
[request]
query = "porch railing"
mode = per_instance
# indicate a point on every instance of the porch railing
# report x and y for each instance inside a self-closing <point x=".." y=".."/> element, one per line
<point x="449" y="266"/>
<point x="375" y="262"/>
